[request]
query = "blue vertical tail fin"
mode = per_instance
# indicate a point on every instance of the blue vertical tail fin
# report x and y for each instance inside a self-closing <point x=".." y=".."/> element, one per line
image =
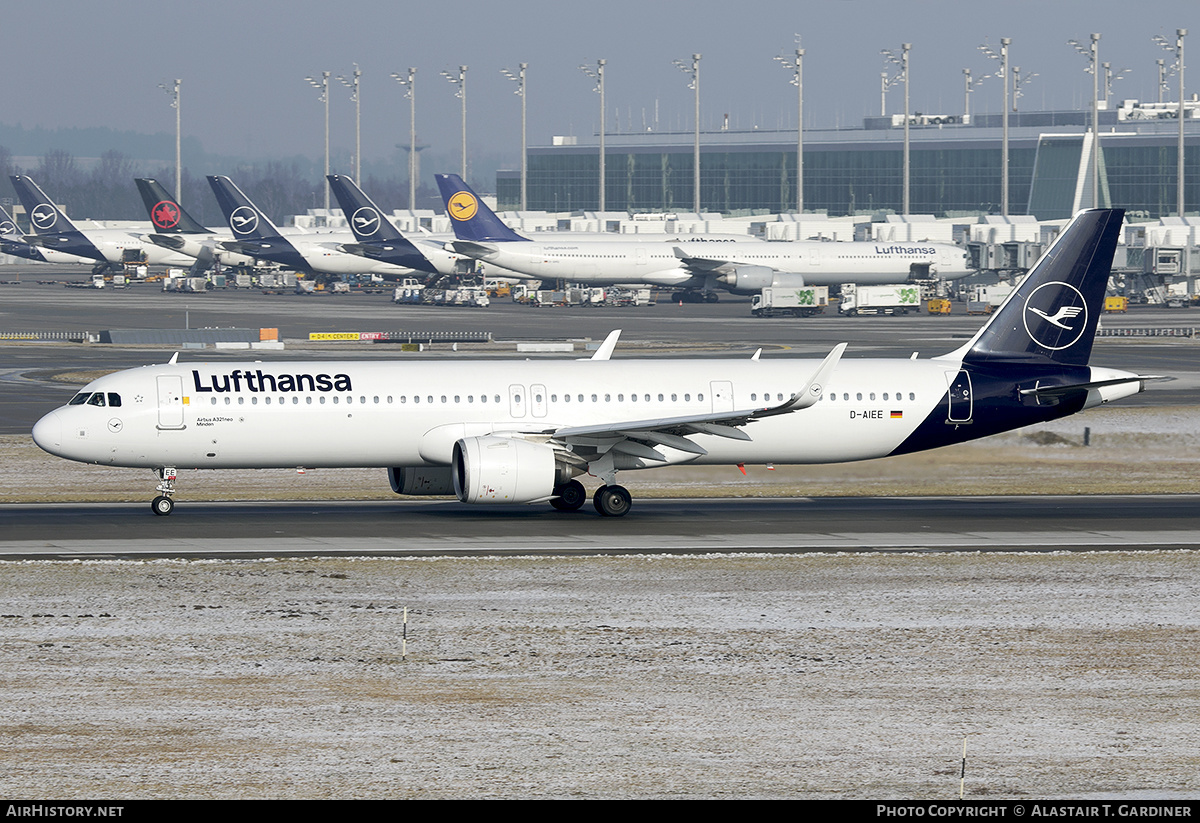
<point x="44" y="216"/>
<point x="53" y="228"/>
<point x="1051" y="317"/>
<point x="245" y="219"/>
<point x="377" y="238"/>
<point x="470" y="216"/>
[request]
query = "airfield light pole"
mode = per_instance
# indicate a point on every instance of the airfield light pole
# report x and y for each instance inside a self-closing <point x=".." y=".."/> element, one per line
<point x="902" y="63"/>
<point x="1002" y="76"/>
<point x="798" y="81"/>
<point x="352" y="84"/>
<point x="518" y="77"/>
<point x="461" y="82"/>
<point x="174" y="92"/>
<point x="1092" y="53"/>
<point x="1177" y="47"/>
<point x="323" y="86"/>
<point x="598" y="76"/>
<point x="1019" y="83"/>
<point x="410" y="91"/>
<point x="1109" y="78"/>
<point x="694" y="68"/>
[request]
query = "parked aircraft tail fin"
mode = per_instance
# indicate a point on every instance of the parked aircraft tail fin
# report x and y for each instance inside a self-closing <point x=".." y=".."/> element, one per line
<point x="165" y="212"/>
<point x="469" y="215"/>
<point x="245" y="219"/>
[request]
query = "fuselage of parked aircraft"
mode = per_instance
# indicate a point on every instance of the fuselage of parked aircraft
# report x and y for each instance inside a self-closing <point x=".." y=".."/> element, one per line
<point x="53" y="231"/>
<point x="740" y="265"/>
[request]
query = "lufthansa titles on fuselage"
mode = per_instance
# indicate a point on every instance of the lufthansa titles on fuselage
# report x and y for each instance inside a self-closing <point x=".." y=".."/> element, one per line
<point x="921" y="250"/>
<point x="260" y="381"/>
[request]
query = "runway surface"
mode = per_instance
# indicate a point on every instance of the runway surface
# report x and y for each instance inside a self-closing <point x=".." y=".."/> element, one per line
<point x="407" y="528"/>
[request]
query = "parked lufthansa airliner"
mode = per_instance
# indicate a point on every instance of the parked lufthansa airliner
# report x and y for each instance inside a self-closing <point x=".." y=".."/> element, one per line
<point x="696" y="266"/>
<point x="522" y="431"/>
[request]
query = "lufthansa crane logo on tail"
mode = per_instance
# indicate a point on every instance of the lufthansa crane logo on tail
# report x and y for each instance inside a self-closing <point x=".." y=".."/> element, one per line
<point x="1055" y="315"/>
<point x="43" y="216"/>
<point x="7" y="227"/>
<point x="165" y="214"/>
<point x="462" y="206"/>
<point x="244" y="220"/>
<point x="365" y="221"/>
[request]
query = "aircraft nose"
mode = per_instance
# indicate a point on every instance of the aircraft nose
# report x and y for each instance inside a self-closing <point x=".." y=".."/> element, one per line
<point x="47" y="433"/>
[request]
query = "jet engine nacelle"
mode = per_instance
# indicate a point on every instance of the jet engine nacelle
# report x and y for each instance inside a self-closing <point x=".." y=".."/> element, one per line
<point x="496" y="469"/>
<point x="421" y="480"/>
<point x="753" y="279"/>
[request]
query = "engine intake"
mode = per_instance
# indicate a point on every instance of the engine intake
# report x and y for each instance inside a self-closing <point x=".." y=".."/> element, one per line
<point x="495" y="469"/>
<point x="753" y="279"/>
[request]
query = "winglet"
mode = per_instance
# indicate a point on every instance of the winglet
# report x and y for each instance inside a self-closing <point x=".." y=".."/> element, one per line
<point x="604" y="352"/>
<point x="811" y="393"/>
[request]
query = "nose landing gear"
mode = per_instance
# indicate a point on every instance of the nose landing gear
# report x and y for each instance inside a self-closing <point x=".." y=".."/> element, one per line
<point x="163" y="504"/>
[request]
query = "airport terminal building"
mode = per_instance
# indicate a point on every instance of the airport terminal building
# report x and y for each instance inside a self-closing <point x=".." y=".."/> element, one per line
<point x="955" y="167"/>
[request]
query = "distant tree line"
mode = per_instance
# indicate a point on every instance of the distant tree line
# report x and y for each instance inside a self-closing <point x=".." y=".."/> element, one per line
<point x="103" y="188"/>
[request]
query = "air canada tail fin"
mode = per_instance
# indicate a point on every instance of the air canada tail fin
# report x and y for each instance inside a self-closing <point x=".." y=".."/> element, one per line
<point x="44" y="216"/>
<point x="1051" y="317"/>
<point x="165" y="212"/>
<point x="244" y="218"/>
<point x="470" y="216"/>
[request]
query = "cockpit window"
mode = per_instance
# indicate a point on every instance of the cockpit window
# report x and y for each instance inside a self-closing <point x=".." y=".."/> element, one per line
<point x="97" y="399"/>
<point x="80" y="399"/>
<point x="114" y="399"/>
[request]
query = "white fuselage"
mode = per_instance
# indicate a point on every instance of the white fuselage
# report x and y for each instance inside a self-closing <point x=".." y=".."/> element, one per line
<point x="658" y="264"/>
<point x="362" y="414"/>
<point x="112" y="244"/>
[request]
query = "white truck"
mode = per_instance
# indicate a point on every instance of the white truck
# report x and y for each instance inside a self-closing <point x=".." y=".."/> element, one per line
<point x="890" y="299"/>
<point x="798" y="302"/>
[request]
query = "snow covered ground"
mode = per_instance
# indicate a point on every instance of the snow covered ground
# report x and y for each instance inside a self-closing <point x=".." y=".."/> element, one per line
<point x="835" y="676"/>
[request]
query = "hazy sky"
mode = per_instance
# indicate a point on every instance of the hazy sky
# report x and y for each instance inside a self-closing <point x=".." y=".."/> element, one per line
<point x="243" y="64"/>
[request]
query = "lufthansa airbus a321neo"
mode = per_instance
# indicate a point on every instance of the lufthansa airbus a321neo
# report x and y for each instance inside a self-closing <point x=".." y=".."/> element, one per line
<point x="522" y="431"/>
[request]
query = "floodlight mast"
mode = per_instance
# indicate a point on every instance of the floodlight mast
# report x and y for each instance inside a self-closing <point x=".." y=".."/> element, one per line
<point x="798" y="81"/>
<point x="410" y="91"/>
<point x="1093" y="55"/>
<point x="461" y="82"/>
<point x="352" y="84"/>
<point x="598" y="76"/>
<point x="323" y="86"/>
<point x="1002" y="75"/>
<point x="694" y="69"/>
<point x="519" y="78"/>
<point x="1178" y="66"/>
<point x="902" y="63"/>
<point x="174" y="92"/>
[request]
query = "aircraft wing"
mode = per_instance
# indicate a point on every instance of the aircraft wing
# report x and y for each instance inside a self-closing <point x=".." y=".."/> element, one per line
<point x="702" y="265"/>
<point x="639" y="437"/>
<point x="470" y="248"/>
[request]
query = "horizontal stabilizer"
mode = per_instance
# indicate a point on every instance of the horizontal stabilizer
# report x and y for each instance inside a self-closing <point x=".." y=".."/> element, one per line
<point x="1071" y="388"/>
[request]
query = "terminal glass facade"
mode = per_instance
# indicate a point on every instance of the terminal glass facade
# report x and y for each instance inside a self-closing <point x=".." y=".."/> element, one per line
<point x="954" y="172"/>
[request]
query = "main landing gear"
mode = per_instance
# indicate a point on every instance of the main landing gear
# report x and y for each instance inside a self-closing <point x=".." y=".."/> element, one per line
<point x="570" y="496"/>
<point x="693" y="296"/>
<point x="163" y="504"/>
<point x="610" y="500"/>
